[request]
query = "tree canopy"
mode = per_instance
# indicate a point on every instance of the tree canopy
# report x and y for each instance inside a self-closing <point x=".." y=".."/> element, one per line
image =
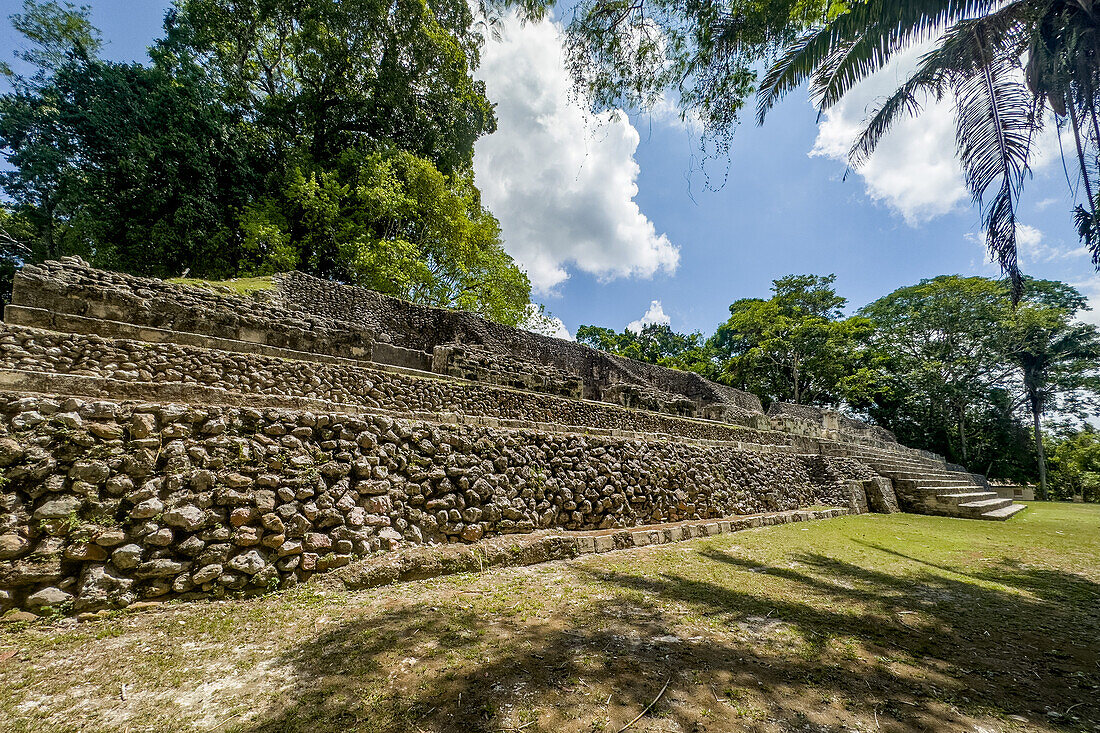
<point x="393" y="223"/>
<point x="316" y="78"/>
<point x="796" y="346"/>
<point x="655" y="343"/>
<point x="1075" y="464"/>
<point x="333" y="136"/>
<point x="950" y="364"/>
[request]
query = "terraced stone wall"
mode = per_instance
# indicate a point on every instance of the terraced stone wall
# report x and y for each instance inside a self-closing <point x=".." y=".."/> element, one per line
<point x="138" y="362"/>
<point x="419" y="327"/>
<point x="796" y="418"/>
<point x="69" y="286"/>
<point x="472" y="363"/>
<point x="104" y="503"/>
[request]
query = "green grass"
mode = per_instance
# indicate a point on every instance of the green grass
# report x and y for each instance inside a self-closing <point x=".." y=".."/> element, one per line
<point x="892" y="623"/>
<point x="242" y="286"/>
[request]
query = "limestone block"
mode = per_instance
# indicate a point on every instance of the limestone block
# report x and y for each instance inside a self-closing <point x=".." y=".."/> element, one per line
<point x="857" y="497"/>
<point x="880" y="495"/>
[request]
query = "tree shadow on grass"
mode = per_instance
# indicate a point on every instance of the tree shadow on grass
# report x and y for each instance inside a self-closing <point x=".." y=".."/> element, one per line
<point x="1072" y="593"/>
<point x="1030" y="648"/>
<point x="762" y="661"/>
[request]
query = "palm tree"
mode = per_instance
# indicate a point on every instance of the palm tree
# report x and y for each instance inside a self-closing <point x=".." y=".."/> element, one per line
<point x="1002" y="63"/>
<point x="1057" y="356"/>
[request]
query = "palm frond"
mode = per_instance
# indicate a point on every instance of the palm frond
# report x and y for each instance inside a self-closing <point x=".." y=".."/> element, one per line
<point x="996" y="120"/>
<point x="865" y="37"/>
<point x="954" y="56"/>
<point x="1088" y="228"/>
<point x="906" y="101"/>
<point x="793" y="67"/>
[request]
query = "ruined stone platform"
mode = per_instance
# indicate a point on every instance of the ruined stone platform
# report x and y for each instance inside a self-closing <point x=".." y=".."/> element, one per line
<point x="163" y="441"/>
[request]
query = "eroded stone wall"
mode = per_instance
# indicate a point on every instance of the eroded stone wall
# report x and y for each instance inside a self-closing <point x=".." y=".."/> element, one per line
<point x="105" y="503"/>
<point x="795" y="418"/>
<point x="259" y="445"/>
<point x="34" y="350"/>
<point x="423" y="328"/>
<point x="468" y="362"/>
<point x="303" y="314"/>
<point x="69" y="286"/>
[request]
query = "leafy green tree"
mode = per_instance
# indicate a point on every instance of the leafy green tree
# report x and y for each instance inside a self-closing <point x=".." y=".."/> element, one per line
<point x="1059" y="357"/>
<point x="391" y="222"/>
<point x="268" y="134"/>
<point x="1075" y="465"/>
<point x="795" y="346"/>
<point x="57" y="32"/>
<point x="121" y="163"/>
<point x="960" y="363"/>
<point x="656" y="343"/>
<point x="315" y="78"/>
<point x="947" y="341"/>
<point x="604" y="339"/>
<point x="164" y="169"/>
<point x="37" y="146"/>
<point x="951" y="378"/>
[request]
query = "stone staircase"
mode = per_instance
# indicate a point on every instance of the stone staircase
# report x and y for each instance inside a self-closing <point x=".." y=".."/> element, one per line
<point x="927" y="484"/>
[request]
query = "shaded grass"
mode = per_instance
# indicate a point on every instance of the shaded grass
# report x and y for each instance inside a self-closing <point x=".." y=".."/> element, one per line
<point x="898" y="623"/>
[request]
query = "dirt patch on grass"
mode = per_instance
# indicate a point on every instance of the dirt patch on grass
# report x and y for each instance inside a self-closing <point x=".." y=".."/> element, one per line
<point x="870" y="623"/>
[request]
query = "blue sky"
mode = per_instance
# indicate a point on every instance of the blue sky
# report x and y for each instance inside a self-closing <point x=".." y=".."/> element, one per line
<point x="563" y="187"/>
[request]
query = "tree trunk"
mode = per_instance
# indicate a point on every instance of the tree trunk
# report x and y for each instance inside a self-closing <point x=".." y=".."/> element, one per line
<point x="1081" y="157"/>
<point x="1036" y="409"/>
<point x="962" y="434"/>
<point x="795" y="375"/>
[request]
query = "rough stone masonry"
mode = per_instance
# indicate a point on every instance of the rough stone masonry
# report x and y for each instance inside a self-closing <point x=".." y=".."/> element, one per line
<point x="162" y="441"/>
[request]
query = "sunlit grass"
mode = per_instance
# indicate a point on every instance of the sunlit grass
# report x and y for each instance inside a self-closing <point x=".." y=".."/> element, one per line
<point x="896" y="623"/>
<point x="243" y="286"/>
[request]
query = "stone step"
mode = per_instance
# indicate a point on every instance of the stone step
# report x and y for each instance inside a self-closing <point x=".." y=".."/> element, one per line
<point x="545" y="545"/>
<point x="934" y="481"/>
<point x="923" y="470"/>
<point x="923" y="478"/>
<point x="44" y="320"/>
<point x="1000" y="515"/>
<point x="904" y="453"/>
<point x="63" y="385"/>
<point x="977" y="508"/>
<point x="841" y="449"/>
<point x="925" y="491"/>
<point x="50" y="325"/>
<point x="904" y="465"/>
<point x="969" y="499"/>
<point x="887" y="455"/>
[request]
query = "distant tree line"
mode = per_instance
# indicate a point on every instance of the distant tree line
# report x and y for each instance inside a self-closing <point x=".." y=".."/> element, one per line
<point x="949" y="364"/>
<point x="334" y="136"/>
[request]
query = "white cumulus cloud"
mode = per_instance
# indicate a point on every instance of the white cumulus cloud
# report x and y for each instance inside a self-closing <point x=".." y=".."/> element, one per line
<point x="655" y="315"/>
<point x="561" y="182"/>
<point x="1033" y="247"/>
<point x="1090" y="288"/>
<point x="914" y="170"/>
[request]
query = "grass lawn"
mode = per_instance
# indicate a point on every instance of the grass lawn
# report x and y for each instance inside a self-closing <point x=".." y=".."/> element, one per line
<point x="245" y="286"/>
<point x="891" y="623"/>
